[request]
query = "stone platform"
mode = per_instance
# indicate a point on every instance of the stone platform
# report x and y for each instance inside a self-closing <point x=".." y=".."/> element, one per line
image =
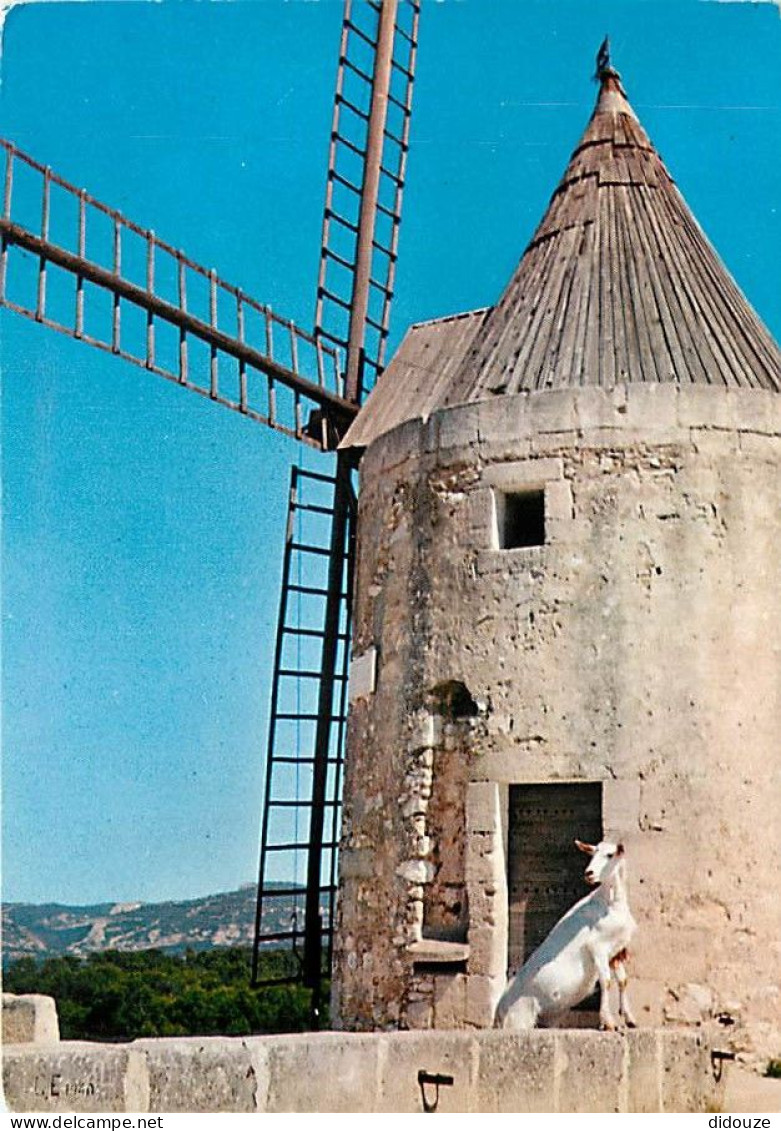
<point x="648" y="1070"/>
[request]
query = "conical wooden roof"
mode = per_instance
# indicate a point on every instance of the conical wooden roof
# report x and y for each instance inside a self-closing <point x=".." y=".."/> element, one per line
<point x="618" y="284"/>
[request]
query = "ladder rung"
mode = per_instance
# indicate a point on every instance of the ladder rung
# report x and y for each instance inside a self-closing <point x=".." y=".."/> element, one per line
<point x="345" y="62"/>
<point x="295" y="631"/>
<point x="320" y="476"/>
<point x="313" y="508"/>
<point x="269" y="893"/>
<point x="334" y="298"/>
<point x="303" y="548"/>
<point x="349" y="145"/>
<point x="306" y="717"/>
<point x="291" y="673"/>
<point x="397" y="102"/>
<point x="402" y="69"/>
<point x="312" y="590"/>
<point x="295" y="803"/>
<point x="290" y="759"/>
<point x="278" y="936"/>
<point x="333" y="337"/>
<point x="285" y="847"/>
<point x="340" y="98"/>
<point x="388" y="212"/>
<point x="341" y="220"/>
<point x="402" y="144"/>
<point x="397" y="180"/>
<point x="381" y="287"/>
<point x="335" y="176"/>
<point x="377" y="326"/>
<point x="338" y="259"/>
<point x="392" y="255"/>
<point x="404" y="34"/>
<point x="361" y="34"/>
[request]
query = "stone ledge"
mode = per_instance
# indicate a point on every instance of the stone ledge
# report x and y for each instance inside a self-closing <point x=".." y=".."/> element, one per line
<point x="541" y="1071"/>
<point x="436" y="951"/>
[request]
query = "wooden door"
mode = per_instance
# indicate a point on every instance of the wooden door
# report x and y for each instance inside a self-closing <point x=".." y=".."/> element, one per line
<point x="545" y="869"/>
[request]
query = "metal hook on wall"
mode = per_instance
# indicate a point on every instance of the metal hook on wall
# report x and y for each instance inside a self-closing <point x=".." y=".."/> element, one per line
<point x="436" y="1080"/>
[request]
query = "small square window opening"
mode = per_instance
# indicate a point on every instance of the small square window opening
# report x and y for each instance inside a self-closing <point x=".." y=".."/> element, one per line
<point x="520" y="518"/>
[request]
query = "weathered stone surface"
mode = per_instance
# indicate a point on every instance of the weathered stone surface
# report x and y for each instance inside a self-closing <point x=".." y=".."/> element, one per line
<point x="334" y="1072"/>
<point x="516" y="1072"/>
<point x="29" y="1018"/>
<point x="644" y="1070"/>
<point x="561" y="1070"/>
<point x="75" y="1076"/>
<point x="199" y="1074"/>
<point x="687" y="1082"/>
<point x="590" y="1071"/>
<point x="635" y="648"/>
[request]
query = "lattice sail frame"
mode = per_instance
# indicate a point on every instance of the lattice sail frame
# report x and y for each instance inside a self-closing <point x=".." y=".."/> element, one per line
<point x="63" y="253"/>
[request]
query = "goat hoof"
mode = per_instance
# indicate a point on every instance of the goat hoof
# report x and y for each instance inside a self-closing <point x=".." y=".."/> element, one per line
<point x="607" y="1026"/>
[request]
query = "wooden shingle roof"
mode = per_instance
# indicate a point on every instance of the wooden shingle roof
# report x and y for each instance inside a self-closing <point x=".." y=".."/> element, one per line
<point x="618" y="284"/>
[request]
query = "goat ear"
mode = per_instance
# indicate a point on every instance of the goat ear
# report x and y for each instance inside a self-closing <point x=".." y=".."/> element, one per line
<point x="589" y="849"/>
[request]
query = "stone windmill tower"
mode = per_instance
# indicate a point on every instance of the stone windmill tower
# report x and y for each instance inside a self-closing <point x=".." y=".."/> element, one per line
<point x="567" y="572"/>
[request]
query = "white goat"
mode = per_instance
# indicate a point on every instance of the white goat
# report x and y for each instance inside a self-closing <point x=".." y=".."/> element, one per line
<point x="586" y="943"/>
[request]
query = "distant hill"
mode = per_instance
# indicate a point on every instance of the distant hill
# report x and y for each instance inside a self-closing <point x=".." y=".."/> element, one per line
<point x="49" y="930"/>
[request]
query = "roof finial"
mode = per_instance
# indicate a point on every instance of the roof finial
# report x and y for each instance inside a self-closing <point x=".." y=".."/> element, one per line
<point x="604" y="69"/>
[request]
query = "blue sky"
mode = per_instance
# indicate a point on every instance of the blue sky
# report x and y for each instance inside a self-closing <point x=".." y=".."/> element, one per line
<point x="142" y="525"/>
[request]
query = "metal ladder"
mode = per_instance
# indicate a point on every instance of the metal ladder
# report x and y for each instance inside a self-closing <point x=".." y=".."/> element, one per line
<point x="289" y="799"/>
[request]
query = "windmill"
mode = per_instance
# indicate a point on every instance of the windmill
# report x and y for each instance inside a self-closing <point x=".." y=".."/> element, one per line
<point x="260" y="365"/>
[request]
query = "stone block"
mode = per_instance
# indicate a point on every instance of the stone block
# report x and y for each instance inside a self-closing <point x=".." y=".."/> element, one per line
<point x="200" y="1074"/>
<point x="644" y="1071"/>
<point x="515" y="475"/>
<point x="704" y="406"/>
<point x="715" y="444"/>
<point x="759" y="447"/>
<point x="363" y="675"/>
<point x="404" y="1055"/>
<point x="482" y="996"/>
<point x="481" y="506"/>
<point x="558" y="508"/>
<point x="590" y="1068"/>
<point x="458" y="430"/>
<point x="29" y="1019"/>
<point x="75" y="1076"/>
<point x="550" y="443"/>
<point x="755" y="411"/>
<point x="686" y="1077"/>
<point x="482" y="807"/>
<point x="515" y="1072"/>
<point x="398" y="445"/>
<point x="449" y="1001"/>
<point x="652" y="408"/>
<point x="601" y="408"/>
<point x="315" y="1072"/>
<point x="553" y="410"/>
<point x="505" y="425"/>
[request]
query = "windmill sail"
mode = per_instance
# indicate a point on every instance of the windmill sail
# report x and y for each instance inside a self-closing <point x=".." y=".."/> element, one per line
<point x="364" y="188"/>
<point x="61" y="248"/>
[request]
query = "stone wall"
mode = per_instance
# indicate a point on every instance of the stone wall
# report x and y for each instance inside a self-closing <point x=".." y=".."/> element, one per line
<point x="347" y="1072"/>
<point x="636" y="648"/>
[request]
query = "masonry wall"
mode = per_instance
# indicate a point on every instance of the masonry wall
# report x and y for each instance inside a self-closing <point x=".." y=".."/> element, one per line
<point x="347" y="1072"/>
<point x="636" y="648"/>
